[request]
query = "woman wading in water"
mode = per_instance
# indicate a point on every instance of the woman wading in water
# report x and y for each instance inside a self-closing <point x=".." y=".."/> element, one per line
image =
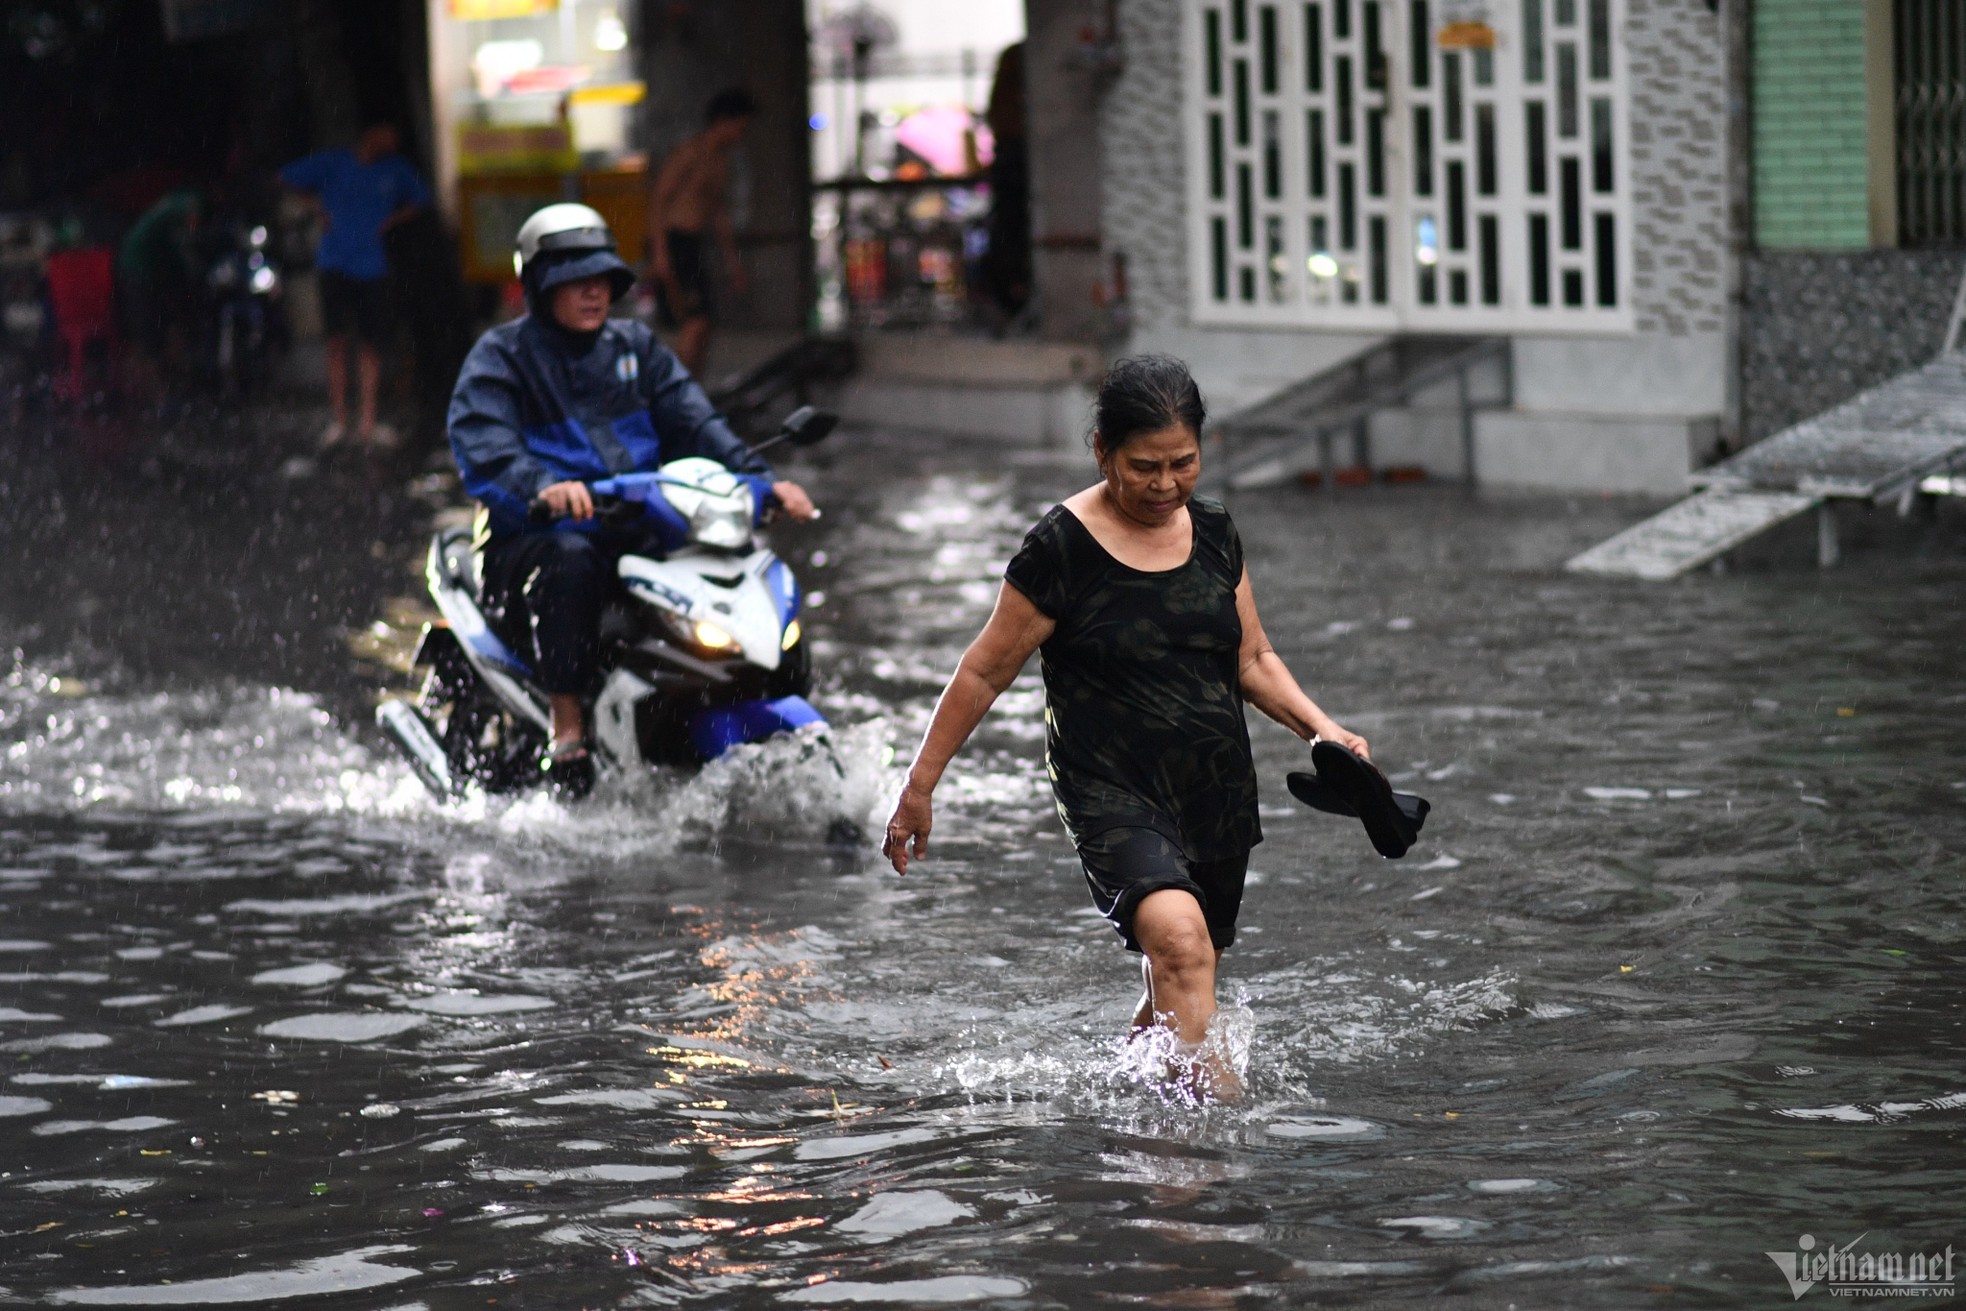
<point x="1135" y="591"/>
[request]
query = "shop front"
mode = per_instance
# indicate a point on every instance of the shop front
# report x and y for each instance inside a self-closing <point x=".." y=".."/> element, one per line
<point x="536" y="101"/>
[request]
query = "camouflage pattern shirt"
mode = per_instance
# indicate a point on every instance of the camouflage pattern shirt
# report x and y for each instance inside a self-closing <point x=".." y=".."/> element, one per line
<point x="1143" y="703"/>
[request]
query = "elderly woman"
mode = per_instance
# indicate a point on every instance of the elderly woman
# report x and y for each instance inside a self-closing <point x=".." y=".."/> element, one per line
<point x="1135" y="591"/>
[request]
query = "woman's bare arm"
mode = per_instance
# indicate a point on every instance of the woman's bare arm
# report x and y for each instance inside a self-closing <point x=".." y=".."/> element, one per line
<point x="1016" y="628"/>
<point x="1268" y="685"/>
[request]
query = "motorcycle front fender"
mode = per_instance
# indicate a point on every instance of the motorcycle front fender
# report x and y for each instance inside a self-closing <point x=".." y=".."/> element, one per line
<point x="717" y="729"/>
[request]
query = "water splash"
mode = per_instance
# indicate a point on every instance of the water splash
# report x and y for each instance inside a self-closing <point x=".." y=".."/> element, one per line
<point x="1282" y="1068"/>
<point x="798" y="788"/>
<point x="260" y="749"/>
<point x="1107" y="1073"/>
<point x="270" y="750"/>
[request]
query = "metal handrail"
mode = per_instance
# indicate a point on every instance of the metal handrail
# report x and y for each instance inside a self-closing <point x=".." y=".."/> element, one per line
<point x="1957" y="321"/>
<point x="1352" y="414"/>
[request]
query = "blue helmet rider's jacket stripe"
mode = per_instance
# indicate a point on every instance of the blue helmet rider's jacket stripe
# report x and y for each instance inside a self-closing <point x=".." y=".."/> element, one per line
<point x="636" y="434"/>
<point x="566" y="451"/>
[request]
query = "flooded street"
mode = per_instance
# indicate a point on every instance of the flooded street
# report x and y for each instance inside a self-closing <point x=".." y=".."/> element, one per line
<point x="1671" y="980"/>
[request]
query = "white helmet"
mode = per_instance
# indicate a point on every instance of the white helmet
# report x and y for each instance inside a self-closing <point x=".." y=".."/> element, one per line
<point x="564" y="243"/>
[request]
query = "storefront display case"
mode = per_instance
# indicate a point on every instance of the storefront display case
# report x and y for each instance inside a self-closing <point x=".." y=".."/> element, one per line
<point x="538" y="101"/>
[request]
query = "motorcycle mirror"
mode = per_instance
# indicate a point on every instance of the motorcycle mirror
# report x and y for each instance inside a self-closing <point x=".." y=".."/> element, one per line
<point x="802" y="427"/>
<point x="808" y="425"/>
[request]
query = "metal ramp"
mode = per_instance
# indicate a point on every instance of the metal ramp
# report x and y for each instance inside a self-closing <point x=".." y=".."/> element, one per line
<point x="1899" y="439"/>
<point x="1296" y="429"/>
<point x="1691" y="533"/>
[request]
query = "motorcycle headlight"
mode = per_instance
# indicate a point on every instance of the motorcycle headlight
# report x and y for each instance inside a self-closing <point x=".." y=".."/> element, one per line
<point x="265" y="279"/>
<point x="792" y="635"/>
<point x="713" y="637"/>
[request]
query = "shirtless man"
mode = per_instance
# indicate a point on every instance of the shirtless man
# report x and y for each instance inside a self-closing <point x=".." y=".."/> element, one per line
<point x="689" y="201"/>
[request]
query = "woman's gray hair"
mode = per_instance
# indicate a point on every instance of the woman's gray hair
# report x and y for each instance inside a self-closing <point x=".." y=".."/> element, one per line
<point x="1142" y="394"/>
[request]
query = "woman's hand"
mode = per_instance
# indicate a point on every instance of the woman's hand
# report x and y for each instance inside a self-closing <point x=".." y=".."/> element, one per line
<point x="907" y="830"/>
<point x="1333" y="731"/>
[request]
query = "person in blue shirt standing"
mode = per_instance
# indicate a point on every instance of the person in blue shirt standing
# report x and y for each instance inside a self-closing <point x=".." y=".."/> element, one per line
<point x="546" y="404"/>
<point x="363" y="192"/>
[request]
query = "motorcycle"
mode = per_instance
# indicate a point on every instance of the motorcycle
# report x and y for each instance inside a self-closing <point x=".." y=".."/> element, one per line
<point x="243" y="291"/>
<point x="702" y="649"/>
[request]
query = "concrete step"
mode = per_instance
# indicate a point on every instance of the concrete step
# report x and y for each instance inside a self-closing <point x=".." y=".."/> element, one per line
<point x="1022" y="392"/>
<point x="1053" y="415"/>
<point x="1590" y="452"/>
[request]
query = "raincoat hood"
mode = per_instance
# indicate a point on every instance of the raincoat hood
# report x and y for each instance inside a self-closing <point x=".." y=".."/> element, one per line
<point x="572" y="267"/>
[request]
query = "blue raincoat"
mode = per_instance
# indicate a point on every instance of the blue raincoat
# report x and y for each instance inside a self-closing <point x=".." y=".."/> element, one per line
<point x="536" y="405"/>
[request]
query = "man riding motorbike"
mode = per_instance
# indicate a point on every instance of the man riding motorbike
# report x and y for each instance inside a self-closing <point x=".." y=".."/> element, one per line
<point x="556" y="399"/>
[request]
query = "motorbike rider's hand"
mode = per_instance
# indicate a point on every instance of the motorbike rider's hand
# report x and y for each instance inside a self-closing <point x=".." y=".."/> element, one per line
<point x="793" y="500"/>
<point x="571" y="499"/>
<point x="907" y="831"/>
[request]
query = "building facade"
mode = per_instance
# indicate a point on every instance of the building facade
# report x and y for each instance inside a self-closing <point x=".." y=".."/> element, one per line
<point x="1288" y="182"/>
<point x="1859" y="198"/>
<point x="1647" y="198"/>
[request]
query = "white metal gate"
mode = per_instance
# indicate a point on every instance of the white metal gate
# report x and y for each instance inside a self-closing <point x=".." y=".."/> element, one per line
<point x="1345" y="170"/>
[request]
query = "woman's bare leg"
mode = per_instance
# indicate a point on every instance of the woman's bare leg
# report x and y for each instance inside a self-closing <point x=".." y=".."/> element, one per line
<point x="1181" y="961"/>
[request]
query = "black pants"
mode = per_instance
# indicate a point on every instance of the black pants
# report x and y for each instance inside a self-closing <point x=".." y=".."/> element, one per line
<point x="543" y="594"/>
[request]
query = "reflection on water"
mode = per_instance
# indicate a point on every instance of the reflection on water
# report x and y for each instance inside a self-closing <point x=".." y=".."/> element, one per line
<point x="1670" y="982"/>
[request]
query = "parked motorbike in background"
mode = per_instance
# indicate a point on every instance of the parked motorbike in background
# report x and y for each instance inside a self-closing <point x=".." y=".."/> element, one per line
<point x="246" y="327"/>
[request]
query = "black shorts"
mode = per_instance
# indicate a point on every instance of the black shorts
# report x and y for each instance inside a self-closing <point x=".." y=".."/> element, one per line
<point x="353" y="307"/>
<point x="691" y="295"/>
<point x="1123" y="865"/>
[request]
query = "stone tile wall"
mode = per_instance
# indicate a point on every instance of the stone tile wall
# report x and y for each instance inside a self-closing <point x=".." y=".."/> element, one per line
<point x="1145" y="195"/>
<point x="1676" y="68"/>
<point x="1818" y="327"/>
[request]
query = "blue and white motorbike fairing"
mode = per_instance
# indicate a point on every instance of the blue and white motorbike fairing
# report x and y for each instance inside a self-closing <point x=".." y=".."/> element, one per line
<point x="703" y="649"/>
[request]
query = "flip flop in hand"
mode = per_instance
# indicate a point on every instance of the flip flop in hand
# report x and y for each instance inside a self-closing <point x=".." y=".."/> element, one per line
<point x="1347" y="784"/>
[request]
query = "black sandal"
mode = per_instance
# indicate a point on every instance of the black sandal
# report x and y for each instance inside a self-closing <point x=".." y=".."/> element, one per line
<point x="1347" y="784"/>
<point x="569" y="771"/>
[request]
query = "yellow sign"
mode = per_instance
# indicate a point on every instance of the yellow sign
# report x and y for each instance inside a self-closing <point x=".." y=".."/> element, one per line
<point x="610" y="93"/>
<point x="1466" y="36"/>
<point x="483" y="9"/>
<point x="486" y="148"/>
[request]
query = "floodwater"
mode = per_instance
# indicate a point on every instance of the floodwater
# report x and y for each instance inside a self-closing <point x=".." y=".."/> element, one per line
<point x="1672" y="980"/>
